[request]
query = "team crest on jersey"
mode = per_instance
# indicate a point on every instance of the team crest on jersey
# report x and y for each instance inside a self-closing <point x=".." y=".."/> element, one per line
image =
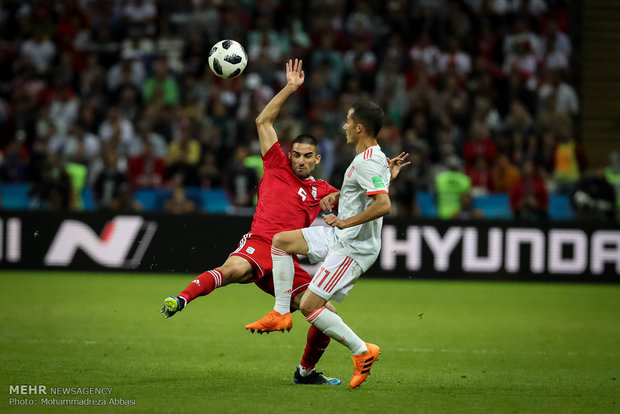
<point x="314" y="191"/>
<point x="250" y="250"/>
<point x="350" y="173"/>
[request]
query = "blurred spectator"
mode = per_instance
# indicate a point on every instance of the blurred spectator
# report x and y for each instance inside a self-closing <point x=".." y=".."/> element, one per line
<point x="129" y="71"/>
<point x="481" y="176"/>
<point x="128" y="104"/>
<point x="181" y="171"/>
<point x="64" y="107"/>
<point x="427" y="53"/>
<point x="560" y="92"/>
<point x="480" y="144"/>
<point x="529" y="198"/>
<point x="178" y="203"/>
<point x="52" y="191"/>
<point x="521" y="38"/>
<point x="209" y="172"/>
<point x="504" y="175"/>
<point x="161" y="86"/>
<point x="185" y="139"/>
<point x="81" y="145"/>
<point x="146" y="170"/>
<point x="569" y="161"/>
<point x="555" y="41"/>
<point x="116" y="130"/>
<point x="265" y="41"/>
<point x="14" y="161"/>
<point x="139" y="16"/>
<point x="518" y="119"/>
<point x="326" y="54"/>
<point x="454" y="101"/>
<point x="145" y="134"/>
<point x="450" y="185"/>
<point x="124" y="202"/>
<point x="468" y="211"/>
<point x="327" y="151"/>
<point x="108" y="186"/>
<point x="38" y="50"/>
<point x="77" y="169"/>
<point x="454" y="59"/>
<point x="89" y="75"/>
<point x="241" y="184"/>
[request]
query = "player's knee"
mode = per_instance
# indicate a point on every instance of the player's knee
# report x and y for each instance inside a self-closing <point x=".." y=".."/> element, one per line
<point x="279" y="241"/>
<point x="234" y="273"/>
<point x="307" y="307"/>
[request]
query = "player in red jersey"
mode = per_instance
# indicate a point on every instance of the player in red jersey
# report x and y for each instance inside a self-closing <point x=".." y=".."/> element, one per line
<point x="289" y="198"/>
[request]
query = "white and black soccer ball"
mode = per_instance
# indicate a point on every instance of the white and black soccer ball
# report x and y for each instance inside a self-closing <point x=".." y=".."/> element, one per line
<point x="227" y="59"/>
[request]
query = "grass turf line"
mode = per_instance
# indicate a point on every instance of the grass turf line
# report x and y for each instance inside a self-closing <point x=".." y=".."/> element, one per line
<point x="446" y="346"/>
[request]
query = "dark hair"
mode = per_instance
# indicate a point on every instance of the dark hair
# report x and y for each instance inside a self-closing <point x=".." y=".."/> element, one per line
<point x="370" y="115"/>
<point x="306" y="139"/>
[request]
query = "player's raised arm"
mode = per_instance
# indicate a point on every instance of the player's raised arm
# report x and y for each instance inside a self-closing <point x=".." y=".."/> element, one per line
<point x="264" y="122"/>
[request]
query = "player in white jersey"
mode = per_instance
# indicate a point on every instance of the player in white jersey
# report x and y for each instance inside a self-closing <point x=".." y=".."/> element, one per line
<point x="352" y="242"/>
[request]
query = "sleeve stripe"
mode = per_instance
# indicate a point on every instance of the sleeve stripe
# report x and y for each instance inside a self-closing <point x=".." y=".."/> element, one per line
<point x="369" y="193"/>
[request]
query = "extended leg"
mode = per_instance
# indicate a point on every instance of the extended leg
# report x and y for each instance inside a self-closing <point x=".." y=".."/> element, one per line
<point x="235" y="270"/>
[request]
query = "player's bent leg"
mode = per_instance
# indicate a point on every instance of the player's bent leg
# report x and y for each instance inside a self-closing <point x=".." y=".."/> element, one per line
<point x="235" y="270"/>
<point x="283" y="245"/>
<point x="291" y="242"/>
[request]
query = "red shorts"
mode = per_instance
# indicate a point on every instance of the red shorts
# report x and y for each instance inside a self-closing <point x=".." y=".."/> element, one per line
<point x="257" y="251"/>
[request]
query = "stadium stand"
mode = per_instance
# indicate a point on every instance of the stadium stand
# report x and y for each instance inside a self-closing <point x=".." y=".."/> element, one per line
<point x="123" y="89"/>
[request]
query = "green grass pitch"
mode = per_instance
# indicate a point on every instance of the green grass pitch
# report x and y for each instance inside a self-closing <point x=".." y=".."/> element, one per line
<point x="447" y="347"/>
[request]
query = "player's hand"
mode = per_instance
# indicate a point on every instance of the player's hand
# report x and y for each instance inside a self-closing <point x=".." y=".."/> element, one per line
<point x="397" y="163"/>
<point x="328" y="201"/>
<point x="333" y="221"/>
<point x="294" y="75"/>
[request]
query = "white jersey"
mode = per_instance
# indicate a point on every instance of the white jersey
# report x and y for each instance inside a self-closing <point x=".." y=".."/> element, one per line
<point x="368" y="174"/>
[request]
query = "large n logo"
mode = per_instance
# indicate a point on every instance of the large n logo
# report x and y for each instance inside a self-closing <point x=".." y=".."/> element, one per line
<point x="119" y="237"/>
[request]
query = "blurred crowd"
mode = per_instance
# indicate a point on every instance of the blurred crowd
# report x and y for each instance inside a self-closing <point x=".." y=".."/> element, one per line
<point x="117" y="95"/>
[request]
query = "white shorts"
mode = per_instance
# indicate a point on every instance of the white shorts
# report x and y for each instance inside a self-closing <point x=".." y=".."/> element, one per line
<point x="336" y="276"/>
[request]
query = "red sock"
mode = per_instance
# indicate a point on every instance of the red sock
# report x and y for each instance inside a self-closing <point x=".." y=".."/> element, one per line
<point x="315" y="346"/>
<point x="203" y="285"/>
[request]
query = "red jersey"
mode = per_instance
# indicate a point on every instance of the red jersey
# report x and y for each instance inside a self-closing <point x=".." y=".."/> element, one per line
<point x="285" y="201"/>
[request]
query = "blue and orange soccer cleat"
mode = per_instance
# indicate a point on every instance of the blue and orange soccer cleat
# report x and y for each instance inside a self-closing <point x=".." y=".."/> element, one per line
<point x="363" y="362"/>
<point x="315" y="378"/>
<point x="172" y="305"/>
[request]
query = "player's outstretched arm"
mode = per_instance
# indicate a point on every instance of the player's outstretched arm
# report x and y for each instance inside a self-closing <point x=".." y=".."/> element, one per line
<point x="264" y="122"/>
<point x="378" y="208"/>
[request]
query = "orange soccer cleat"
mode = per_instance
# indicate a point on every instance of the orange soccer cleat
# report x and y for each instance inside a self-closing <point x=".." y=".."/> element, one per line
<point x="273" y="321"/>
<point x="363" y="362"/>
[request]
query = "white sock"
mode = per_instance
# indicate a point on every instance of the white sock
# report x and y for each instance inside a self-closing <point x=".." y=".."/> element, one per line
<point x="305" y="372"/>
<point x="283" y="273"/>
<point x="333" y="326"/>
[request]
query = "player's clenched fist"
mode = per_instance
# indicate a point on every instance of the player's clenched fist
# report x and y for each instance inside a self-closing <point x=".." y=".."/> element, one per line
<point x="334" y="221"/>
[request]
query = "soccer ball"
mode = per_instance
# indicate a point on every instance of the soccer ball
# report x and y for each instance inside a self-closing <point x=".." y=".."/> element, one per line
<point x="227" y="59"/>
